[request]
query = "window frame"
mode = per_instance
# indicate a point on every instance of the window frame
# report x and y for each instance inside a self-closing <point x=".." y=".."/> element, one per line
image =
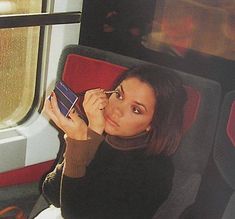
<point x="38" y="19"/>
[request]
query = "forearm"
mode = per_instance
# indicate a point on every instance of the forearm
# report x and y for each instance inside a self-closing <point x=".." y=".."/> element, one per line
<point x="79" y="153"/>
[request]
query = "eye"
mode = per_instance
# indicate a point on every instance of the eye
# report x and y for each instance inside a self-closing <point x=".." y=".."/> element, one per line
<point x="136" y="110"/>
<point x="118" y="95"/>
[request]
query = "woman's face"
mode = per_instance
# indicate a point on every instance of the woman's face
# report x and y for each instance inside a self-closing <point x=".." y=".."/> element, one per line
<point x="131" y="110"/>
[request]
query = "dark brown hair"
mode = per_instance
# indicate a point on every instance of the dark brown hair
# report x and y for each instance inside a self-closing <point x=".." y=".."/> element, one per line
<point x="167" y="122"/>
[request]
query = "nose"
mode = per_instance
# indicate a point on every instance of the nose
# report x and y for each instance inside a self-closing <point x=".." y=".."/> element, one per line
<point x="118" y="110"/>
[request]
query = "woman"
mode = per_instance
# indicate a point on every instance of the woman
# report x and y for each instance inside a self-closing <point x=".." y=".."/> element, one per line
<point x="118" y="166"/>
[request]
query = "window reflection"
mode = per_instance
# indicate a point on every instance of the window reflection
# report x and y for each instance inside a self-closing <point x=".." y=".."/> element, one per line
<point x="207" y="26"/>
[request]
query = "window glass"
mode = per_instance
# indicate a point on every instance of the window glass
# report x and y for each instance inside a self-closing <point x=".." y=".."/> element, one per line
<point x="206" y="26"/>
<point x="117" y="26"/>
<point x="18" y="63"/>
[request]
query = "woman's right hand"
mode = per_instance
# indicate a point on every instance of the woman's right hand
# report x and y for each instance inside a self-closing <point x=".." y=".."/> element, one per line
<point x="95" y="101"/>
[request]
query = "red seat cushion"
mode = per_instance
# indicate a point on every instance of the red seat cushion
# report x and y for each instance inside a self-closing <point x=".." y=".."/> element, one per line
<point x="231" y="124"/>
<point x="191" y="107"/>
<point x="83" y="73"/>
<point x="29" y="174"/>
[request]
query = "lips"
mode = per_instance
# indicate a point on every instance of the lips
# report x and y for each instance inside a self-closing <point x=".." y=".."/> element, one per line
<point x="111" y="121"/>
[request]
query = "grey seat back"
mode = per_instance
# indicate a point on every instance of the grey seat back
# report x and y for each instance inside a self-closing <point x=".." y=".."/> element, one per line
<point x="192" y="156"/>
<point x="224" y="150"/>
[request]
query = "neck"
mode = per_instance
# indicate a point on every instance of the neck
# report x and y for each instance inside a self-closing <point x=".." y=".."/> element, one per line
<point x="128" y="143"/>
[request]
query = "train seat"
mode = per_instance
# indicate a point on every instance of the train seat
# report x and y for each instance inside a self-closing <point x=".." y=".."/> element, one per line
<point x="224" y="150"/>
<point x="84" y="68"/>
<point x="216" y="196"/>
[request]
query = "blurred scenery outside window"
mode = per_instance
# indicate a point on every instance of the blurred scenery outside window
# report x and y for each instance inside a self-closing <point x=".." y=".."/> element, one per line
<point x="207" y="26"/>
<point x="18" y="63"/>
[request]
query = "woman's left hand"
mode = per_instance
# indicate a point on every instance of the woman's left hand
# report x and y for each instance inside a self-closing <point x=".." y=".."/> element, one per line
<point x="73" y="126"/>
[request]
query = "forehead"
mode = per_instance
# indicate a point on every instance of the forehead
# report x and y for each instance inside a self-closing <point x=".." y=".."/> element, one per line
<point x="138" y="90"/>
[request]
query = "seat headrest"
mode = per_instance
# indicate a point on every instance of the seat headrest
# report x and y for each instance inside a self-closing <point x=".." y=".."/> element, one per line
<point x="83" y="73"/>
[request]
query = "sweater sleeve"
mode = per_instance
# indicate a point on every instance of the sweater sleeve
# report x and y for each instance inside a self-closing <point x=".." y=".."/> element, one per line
<point x="79" y="153"/>
<point x="51" y="185"/>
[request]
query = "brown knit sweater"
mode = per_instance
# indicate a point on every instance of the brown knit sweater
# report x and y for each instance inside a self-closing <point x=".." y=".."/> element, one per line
<point x="116" y="179"/>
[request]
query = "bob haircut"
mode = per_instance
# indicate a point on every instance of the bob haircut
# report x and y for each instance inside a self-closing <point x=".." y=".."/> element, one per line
<point x="167" y="123"/>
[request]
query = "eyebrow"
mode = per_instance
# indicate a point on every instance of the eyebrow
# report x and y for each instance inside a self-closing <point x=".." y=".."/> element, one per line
<point x="122" y="90"/>
<point x="136" y="102"/>
<point x="140" y="104"/>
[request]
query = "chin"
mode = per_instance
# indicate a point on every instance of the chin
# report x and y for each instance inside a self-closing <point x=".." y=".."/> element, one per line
<point x="111" y="131"/>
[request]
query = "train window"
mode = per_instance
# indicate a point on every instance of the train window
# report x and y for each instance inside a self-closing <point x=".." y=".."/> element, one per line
<point x="116" y="26"/>
<point x="194" y="36"/>
<point x="22" y="34"/>
<point x="206" y="26"/>
<point x="18" y="58"/>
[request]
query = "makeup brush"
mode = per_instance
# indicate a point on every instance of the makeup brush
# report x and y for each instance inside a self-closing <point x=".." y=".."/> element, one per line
<point x="110" y="91"/>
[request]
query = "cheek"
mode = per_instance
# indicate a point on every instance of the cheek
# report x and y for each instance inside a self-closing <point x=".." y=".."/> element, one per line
<point x="142" y="126"/>
<point x="108" y="108"/>
<point x="136" y="124"/>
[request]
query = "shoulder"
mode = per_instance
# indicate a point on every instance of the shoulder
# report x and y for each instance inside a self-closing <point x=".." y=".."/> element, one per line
<point x="159" y="165"/>
<point x="157" y="161"/>
<point x="161" y="161"/>
<point x="158" y="168"/>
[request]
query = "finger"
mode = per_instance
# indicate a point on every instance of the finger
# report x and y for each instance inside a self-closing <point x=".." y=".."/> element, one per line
<point x="100" y="103"/>
<point x="95" y="99"/>
<point x="103" y="104"/>
<point x="54" y="105"/>
<point x="75" y="117"/>
<point x="49" y="113"/>
<point x="59" y="116"/>
<point x="47" y="105"/>
<point x="92" y="95"/>
<point x="47" y="109"/>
